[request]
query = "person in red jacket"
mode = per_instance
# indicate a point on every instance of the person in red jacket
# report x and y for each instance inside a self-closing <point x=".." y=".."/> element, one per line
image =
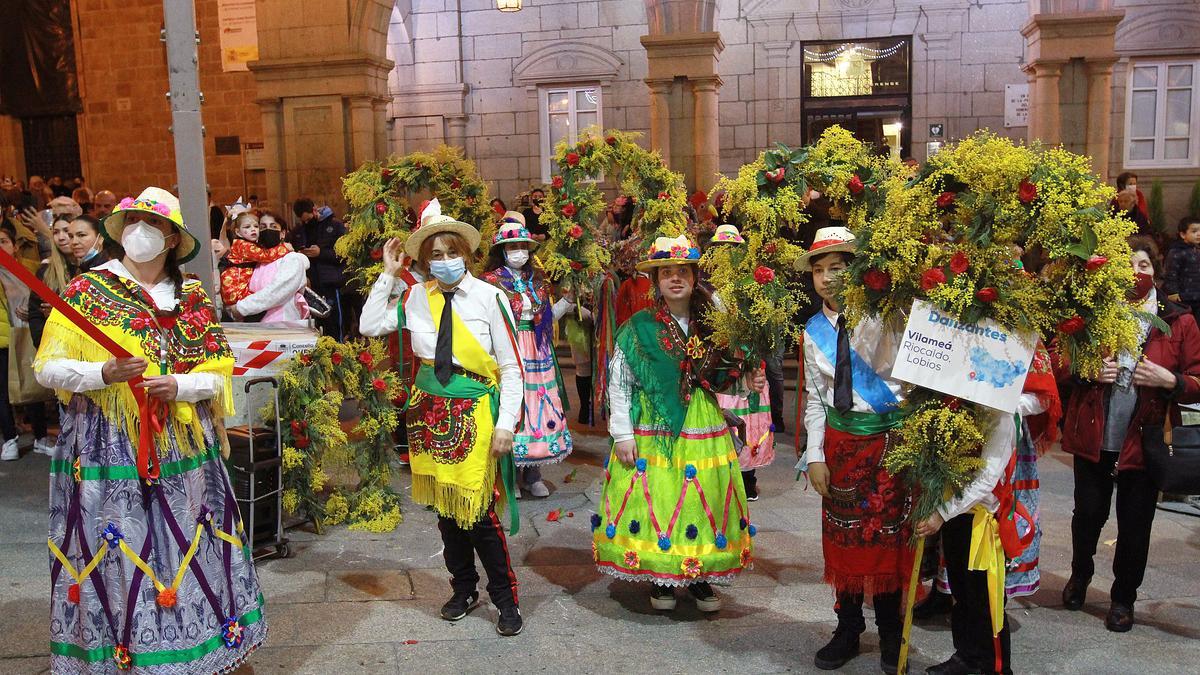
<point x="1103" y="430"/>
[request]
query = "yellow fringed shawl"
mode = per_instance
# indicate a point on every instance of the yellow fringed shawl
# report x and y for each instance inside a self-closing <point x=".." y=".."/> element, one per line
<point x="124" y="312"/>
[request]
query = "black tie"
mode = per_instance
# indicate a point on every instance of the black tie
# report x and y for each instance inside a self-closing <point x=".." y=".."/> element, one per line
<point x="843" y="389"/>
<point x="443" y="355"/>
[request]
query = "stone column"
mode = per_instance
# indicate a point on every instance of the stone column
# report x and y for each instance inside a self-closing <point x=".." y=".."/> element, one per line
<point x="456" y="131"/>
<point x="705" y="131"/>
<point x="1099" y="113"/>
<point x="362" y="130"/>
<point x="660" y="118"/>
<point x="1044" y="115"/>
<point x="273" y="152"/>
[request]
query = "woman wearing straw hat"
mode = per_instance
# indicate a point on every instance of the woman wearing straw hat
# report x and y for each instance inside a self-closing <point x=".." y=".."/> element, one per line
<point x="465" y="403"/>
<point x="673" y="511"/>
<point x="149" y="566"/>
<point x="543" y="437"/>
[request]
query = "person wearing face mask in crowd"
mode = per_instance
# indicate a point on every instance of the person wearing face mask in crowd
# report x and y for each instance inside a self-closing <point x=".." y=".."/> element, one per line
<point x="175" y="591"/>
<point x="465" y="403"/>
<point x="314" y="235"/>
<point x="543" y="437"/>
<point x="276" y="289"/>
<point x="249" y="248"/>
<point x="86" y="244"/>
<point x="1104" y="419"/>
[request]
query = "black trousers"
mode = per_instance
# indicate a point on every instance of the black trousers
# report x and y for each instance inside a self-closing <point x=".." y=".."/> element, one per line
<point x="970" y="619"/>
<point x="1137" y="496"/>
<point x="485" y="538"/>
<point x="774" y="374"/>
<point x="8" y="426"/>
<point x="887" y="613"/>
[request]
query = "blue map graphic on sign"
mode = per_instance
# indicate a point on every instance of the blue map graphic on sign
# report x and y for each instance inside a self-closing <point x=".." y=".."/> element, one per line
<point x="997" y="372"/>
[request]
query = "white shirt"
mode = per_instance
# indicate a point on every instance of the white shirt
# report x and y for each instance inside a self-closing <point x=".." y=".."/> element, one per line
<point x="82" y="376"/>
<point x="379" y="311"/>
<point x="481" y="307"/>
<point x="620" y="385"/>
<point x="874" y="345"/>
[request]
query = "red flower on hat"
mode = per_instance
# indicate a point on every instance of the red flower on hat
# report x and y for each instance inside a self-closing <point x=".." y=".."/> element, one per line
<point x="1072" y="325"/>
<point x="569" y="210"/>
<point x="381" y="208"/>
<point x="764" y="275"/>
<point x="576" y="232"/>
<point x="1095" y="262"/>
<point x="855" y="185"/>
<point x="946" y="200"/>
<point x="775" y="175"/>
<point x="932" y="278"/>
<point x="877" y="280"/>
<point x="572" y="159"/>
<point x="556" y="182"/>
<point x="988" y="294"/>
<point x="1027" y="191"/>
<point x="960" y="262"/>
<point x="611" y="140"/>
<point x="379" y="385"/>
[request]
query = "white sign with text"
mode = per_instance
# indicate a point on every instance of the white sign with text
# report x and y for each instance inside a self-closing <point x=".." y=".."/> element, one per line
<point x="983" y="362"/>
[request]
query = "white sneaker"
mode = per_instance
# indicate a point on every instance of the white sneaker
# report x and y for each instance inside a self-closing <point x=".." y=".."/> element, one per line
<point x="10" y="451"/>
<point x="44" y="445"/>
<point x="538" y="489"/>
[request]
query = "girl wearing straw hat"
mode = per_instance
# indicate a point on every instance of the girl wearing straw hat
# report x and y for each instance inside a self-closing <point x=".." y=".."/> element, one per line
<point x="543" y="437"/>
<point x="149" y="564"/>
<point x="673" y="511"/>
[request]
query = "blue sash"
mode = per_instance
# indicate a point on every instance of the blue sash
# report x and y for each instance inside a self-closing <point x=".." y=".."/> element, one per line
<point x="867" y="383"/>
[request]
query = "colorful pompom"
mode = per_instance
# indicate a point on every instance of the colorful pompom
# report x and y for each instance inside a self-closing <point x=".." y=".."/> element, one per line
<point x="634" y="527"/>
<point x="595" y="521"/>
<point x="692" y="532"/>
<point x="664" y="542"/>
<point x="641" y="465"/>
<point x="166" y="597"/>
<point x="610" y="531"/>
<point x="689" y="471"/>
<point x="721" y="541"/>
<point x="232" y="633"/>
<point x="73" y="594"/>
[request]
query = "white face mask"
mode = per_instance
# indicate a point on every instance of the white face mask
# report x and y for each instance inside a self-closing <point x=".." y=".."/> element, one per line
<point x="516" y="259"/>
<point x="142" y="243"/>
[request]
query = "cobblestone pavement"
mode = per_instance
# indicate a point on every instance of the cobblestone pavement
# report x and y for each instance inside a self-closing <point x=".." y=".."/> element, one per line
<point x="365" y="603"/>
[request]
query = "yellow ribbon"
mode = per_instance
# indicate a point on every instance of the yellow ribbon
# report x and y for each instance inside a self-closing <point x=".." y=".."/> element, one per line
<point x="78" y="576"/>
<point x="987" y="555"/>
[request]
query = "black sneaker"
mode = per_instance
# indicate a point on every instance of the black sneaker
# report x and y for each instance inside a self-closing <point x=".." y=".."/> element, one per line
<point x="751" y="493"/>
<point x="839" y="651"/>
<point x="706" y="599"/>
<point x="510" y="622"/>
<point x="889" y="653"/>
<point x="460" y="605"/>
<point x="1075" y="592"/>
<point x="662" y="597"/>
<point x="934" y="604"/>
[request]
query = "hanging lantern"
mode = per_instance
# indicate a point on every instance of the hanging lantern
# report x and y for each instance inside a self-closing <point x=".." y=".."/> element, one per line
<point x="508" y="5"/>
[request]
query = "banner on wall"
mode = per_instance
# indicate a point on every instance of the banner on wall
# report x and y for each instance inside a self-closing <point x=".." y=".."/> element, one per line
<point x="239" y="34"/>
<point x="981" y="362"/>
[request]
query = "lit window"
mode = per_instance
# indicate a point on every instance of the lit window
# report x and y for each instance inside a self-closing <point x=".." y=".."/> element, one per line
<point x="1162" y="115"/>
<point x="565" y="112"/>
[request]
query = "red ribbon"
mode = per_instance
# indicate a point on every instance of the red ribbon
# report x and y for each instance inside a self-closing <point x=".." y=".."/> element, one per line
<point x="148" y="409"/>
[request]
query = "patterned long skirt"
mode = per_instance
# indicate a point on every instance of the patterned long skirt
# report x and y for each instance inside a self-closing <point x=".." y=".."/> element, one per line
<point x="543" y="437"/>
<point x="755" y="411"/>
<point x="678" y="515"/>
<point x="146" y="578"/>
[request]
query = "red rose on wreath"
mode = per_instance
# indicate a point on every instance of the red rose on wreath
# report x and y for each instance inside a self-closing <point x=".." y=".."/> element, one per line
<point x="877" y="280"/>
<point x="1026" y="191"/>
<point x="376" y="254"/>
<point x="855" y="185"/>
<point x="301" y="442"/>
<point x="381" y="208"/>
<point x="576" y="265"/>
<point x="1095" y="262"/>
<point x="932" y="278"/>
<point x="959" y="262"/>
<point x="569" y="210"/>
<point x="764" y="275"/>
<point x="379" y="385"/>
<point x="1072" y="325"/>
<point x="611" y="140"/>
<point x="306" y="359"/>
<point x="952" y="403"/>
<point x="775" y="175"/>
<point x="336" y="358"/>
<point x="455" y="184"/>
<point x="385" y="174"/>
<point x="556" y="182"/>
<point x="576" y="231"/>
<point x="988" y="294"/>
<point x="366" y="359"/>
<point x="770" y="248"/>
<point x="663" y="196"/>
<point x="572" y="159"/>
<point x="945" y="200"/>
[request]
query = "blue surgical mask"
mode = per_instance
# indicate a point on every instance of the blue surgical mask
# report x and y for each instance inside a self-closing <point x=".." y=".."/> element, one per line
<point x="448" y="271"/>
<point x="92" y="253"/>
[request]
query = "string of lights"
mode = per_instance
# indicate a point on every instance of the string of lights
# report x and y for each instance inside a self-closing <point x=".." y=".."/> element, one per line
<point x="868" y="53"/>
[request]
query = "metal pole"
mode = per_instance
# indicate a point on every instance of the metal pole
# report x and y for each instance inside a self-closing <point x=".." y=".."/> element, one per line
<point x="183" y="60"/>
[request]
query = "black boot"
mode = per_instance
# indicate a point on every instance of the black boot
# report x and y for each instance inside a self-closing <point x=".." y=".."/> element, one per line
<point x="889" y="653"/>
<point x="839" y="651"/>
<point x="934" y="604"/>
<point x="583" y="387"/>
<point x="1075" y="592"/>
